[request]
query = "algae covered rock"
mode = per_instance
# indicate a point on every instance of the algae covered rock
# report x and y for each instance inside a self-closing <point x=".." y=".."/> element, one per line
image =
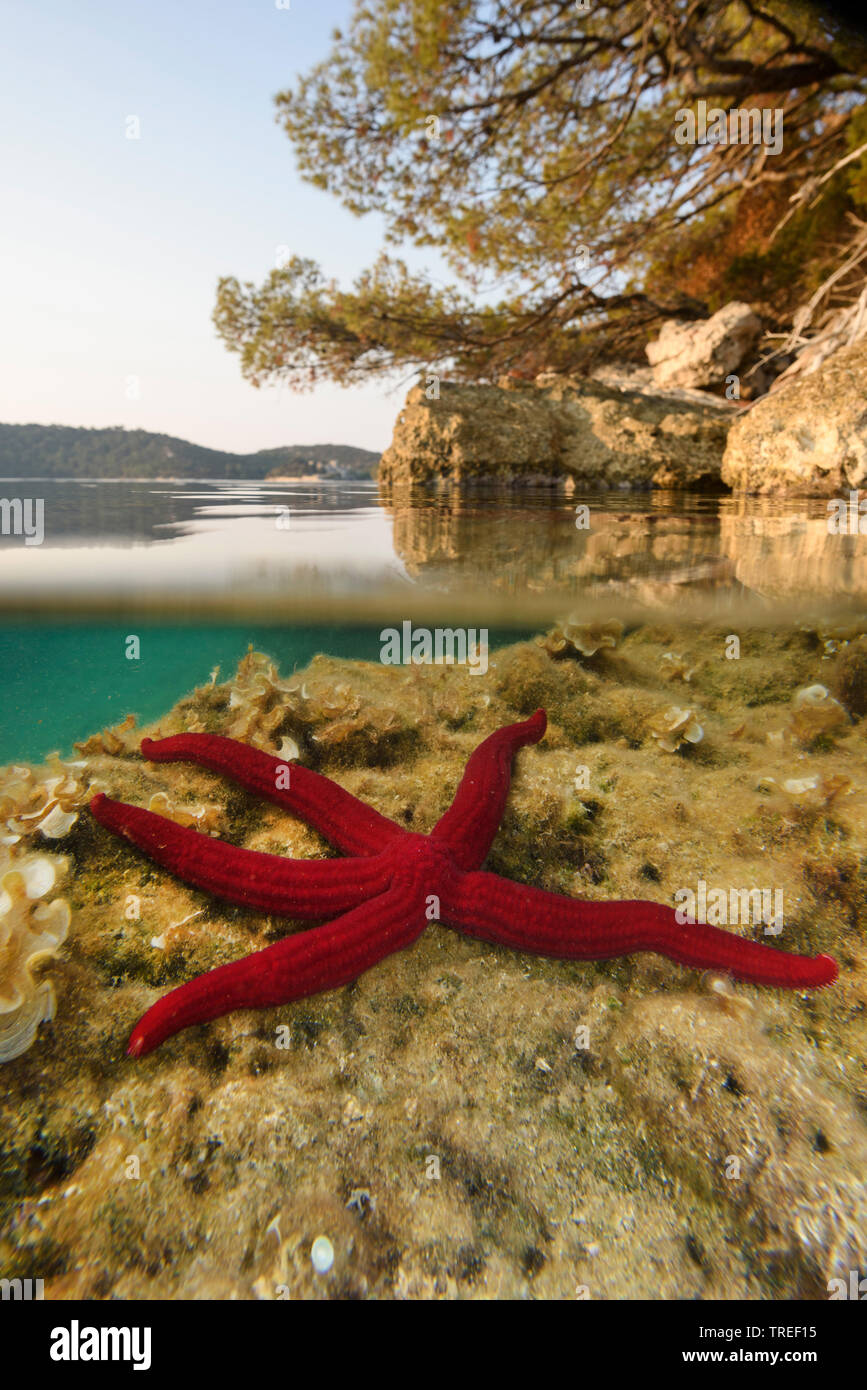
<point x="750" y="1126"/>
<point x="850" y="677"/>
<point x="383" y="1116"/>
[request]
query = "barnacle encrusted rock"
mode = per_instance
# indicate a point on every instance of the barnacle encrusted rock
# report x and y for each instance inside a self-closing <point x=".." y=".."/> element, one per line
<point x="674" y="727"/>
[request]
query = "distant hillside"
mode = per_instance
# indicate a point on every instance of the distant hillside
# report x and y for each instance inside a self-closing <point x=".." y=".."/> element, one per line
<point x="59" y="451"/>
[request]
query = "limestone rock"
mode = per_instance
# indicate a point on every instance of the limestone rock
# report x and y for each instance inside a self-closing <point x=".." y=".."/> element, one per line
<point x="594" y="435"/>
<point x="626" y="376"/>
<point x="809" y="437"/>
<point x="704" y="353"/>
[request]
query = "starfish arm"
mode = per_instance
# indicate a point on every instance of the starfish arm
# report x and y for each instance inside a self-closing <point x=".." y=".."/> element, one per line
<point x="307" y="963"/>
<point x="550" y="924"/>
<point x="471" y="822"/>
<point x="346" y="822"/>
<point x="268" y="882"/>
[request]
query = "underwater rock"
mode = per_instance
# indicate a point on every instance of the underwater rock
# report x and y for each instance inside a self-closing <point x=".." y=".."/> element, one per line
<point x="448" y="1050"/>
<point x="849" y="677"/>
<point x="370" y="735"/>
<point x="750" y="1127"/>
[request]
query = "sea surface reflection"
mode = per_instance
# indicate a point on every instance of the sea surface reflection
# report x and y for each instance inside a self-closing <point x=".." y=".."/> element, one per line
<point x="292" y="542"/>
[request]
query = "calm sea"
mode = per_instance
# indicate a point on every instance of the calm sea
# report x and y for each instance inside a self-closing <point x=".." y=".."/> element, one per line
<point x="199" y="571"/>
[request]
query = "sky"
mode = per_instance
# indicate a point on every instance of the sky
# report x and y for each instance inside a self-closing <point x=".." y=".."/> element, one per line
<point x="111" y="247"/>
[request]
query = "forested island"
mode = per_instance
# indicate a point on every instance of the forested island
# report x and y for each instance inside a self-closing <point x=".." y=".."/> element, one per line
<point x="61" y="451"/>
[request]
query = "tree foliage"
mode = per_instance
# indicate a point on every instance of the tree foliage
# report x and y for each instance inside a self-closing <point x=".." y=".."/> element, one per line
<point x="533" y="144"/>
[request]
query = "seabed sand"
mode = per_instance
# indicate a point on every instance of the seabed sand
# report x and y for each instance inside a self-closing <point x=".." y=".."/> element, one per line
<point x="436" y="1120"/>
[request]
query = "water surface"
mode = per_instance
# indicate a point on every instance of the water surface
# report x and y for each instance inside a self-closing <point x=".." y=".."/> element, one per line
<point x="200" y="571"/>
<point x="290" y="543"/>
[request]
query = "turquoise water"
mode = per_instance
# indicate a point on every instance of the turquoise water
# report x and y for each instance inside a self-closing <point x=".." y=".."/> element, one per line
<point x="64" y="682"/>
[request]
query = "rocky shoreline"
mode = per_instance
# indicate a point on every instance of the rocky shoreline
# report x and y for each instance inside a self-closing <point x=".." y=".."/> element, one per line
<point x="557" y="431"/>
<point x="679" y="424"/>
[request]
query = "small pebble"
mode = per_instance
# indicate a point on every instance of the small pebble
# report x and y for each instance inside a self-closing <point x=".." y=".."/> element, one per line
<point x="322" y="1254"/>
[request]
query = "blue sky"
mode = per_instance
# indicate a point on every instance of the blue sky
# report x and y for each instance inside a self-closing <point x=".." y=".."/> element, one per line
<point x="111" y="248"/>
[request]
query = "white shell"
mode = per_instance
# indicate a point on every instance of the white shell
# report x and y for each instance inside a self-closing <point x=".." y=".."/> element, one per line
<point x="18" y="1028"/>
<point x="322" y="1254"/>
<point x="797" y="786"/>
<point x="811" y="695"/>
<point x="288" y="751"/>
<point x="30" y="932"/>
<point x="57" y="823"/>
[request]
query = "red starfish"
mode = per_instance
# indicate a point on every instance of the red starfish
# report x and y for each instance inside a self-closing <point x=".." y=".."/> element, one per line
<point x="382" y="898"/>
